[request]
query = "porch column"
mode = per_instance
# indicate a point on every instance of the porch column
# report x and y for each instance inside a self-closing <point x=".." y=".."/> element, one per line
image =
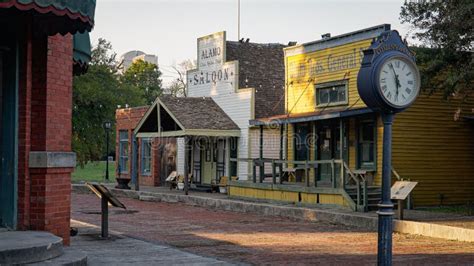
<point x="262" y="165"/>
<point x="341" y="152"/>
<point x="315" y="152"/>
<point x="282" y="128"/>
<point x="186" y="167"/>
<point x="50" y="159"/>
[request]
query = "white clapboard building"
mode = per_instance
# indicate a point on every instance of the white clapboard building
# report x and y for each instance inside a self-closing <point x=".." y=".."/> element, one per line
<point x="234" y="82"/>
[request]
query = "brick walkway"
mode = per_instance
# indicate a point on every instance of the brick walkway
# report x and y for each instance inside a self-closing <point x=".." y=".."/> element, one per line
<point x="256" y="239"/>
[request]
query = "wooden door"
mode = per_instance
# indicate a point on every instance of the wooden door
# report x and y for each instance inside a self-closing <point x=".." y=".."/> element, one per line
<point x="8" y="139"/>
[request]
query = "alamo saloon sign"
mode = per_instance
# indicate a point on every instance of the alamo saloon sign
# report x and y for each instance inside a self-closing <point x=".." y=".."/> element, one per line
<point x="212" y="67"/>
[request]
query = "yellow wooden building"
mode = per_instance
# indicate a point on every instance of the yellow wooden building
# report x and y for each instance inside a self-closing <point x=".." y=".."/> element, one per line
<point x="333" y="151"/>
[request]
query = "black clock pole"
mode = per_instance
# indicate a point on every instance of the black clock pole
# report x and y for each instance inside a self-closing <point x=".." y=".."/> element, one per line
<point x="385" y="213"/>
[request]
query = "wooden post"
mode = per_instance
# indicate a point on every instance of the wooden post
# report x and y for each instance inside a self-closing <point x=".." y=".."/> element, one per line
<point x="365" y="197"/>
<point x="254" y="171"/>
<point x="281" y="153"/>
<point x="315" y="153"/>
<point x="341" y="150"/>
<point x="400" y="209"/>
<point x="333" y="174"/>
<point x="261" y="165"/>
<point x="273" y="172"/>
<point x="306" y="174"/>
<point x="191" y="171"/>
<point x="186" y="168"/>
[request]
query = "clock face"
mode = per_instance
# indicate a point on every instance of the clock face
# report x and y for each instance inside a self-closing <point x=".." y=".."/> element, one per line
<point x="399" y="81"/>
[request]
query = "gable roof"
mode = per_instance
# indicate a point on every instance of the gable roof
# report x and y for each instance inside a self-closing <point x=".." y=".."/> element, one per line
<point x="181" y="116"/>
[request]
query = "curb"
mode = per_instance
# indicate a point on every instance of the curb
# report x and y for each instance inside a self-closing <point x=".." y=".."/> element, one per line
<point x="299" y="213"/>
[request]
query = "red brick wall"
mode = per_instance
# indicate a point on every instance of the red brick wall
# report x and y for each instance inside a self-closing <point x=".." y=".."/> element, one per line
<point x="44" y="194"/>
<point x="127" y="119"/>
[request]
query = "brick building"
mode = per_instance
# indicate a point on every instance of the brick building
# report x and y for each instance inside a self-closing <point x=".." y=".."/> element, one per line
<point x="36" y="71"/>
<point x="156" y="157"/>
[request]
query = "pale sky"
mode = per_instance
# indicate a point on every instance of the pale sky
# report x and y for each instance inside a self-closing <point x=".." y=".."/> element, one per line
<point x="169" y="28"/>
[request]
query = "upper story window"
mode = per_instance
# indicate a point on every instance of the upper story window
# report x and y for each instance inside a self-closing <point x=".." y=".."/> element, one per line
<point x="331" y="93"/>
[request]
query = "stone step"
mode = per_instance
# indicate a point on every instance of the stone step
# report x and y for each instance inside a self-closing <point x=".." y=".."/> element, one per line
<point x="20" y="247"/>
<point x="70" y="257"/>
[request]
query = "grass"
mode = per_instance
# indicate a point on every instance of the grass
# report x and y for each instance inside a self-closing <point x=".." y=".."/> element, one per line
<point x="93" y="172"/>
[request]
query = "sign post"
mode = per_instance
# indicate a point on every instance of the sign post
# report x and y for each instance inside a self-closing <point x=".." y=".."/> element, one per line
<point x="106" y="198"/>
<point x="400" y="191"/>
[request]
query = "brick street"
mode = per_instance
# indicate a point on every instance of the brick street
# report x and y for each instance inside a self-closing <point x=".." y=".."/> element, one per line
<point x="255" y="239"/>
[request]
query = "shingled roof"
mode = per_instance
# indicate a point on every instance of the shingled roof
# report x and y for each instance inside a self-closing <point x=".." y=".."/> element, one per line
<point x="261" y="66"/>
<point x="186" y="116"/>
<point x="198" y="113"/>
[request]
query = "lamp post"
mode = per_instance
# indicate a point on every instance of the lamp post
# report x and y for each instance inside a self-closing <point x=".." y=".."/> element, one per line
<point x="107" y="126"/>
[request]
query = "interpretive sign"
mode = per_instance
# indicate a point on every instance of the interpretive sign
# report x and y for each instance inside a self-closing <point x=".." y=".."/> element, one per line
<point x="106" y="198"/>
<point x="401" y="189"/>
<point x="104" y="193"/>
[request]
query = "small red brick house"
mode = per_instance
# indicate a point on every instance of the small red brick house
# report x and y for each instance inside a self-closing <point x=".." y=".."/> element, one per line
<point x="36" y="71"/>
<point x="156" y="157"/>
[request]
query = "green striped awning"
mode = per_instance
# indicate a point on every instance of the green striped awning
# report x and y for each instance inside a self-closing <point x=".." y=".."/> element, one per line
<point x="74" y="15"/>
<point x="82" y="52"/>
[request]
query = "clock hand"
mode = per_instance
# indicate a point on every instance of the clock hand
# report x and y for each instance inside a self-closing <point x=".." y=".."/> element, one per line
<point x="397" y="81"/>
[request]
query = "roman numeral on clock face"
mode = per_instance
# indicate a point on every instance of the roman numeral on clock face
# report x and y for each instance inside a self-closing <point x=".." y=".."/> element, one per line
<point x="408" y="90"/>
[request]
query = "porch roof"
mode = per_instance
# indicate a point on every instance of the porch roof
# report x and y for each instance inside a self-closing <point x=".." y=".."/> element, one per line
<point x="185" y="116"/>
<point x="312" y="116"/>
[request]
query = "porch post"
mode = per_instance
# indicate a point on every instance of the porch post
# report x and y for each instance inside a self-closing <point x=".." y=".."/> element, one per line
<point x="282" y="128"/>
<point x="134" y="162"/>
<point x="261" y="165"/>
<point x="341" y="151"/>
<point x="315" y="147"/>
<point x="192" y="159"/>
<point x="186" y="168"/>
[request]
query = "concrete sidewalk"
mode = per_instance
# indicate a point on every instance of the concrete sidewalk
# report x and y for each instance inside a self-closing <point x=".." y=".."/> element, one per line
<point x="123" y="250"/>
<point x="332" y="215"/>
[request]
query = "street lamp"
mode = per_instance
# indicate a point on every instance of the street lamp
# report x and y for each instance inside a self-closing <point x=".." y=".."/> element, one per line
<point x="107" y="127"/>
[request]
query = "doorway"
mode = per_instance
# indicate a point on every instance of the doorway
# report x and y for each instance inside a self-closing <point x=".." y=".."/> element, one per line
<point x="208" y="164"/>
<point x="8" y="132"/>
<point x="329" y="147"/>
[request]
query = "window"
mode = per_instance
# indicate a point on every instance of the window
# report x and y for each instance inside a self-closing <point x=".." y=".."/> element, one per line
<point x="331" y="93"/>
<point x="123" y="151"/>
<point x="366" y="148"/>
<point x="233" y="155"/>
<point x="146" y="157"/>
<point x="301" y="142"/>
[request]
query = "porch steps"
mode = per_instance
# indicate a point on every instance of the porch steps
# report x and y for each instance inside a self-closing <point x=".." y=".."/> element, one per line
<point x="39" y="248"/>
<point x="374" y="196"/>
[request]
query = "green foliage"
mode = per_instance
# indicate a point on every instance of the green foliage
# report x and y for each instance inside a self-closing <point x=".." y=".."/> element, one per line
<point x="446" y="31"/>
<point x="146" y="77"/>
<point x="96" y="94"/>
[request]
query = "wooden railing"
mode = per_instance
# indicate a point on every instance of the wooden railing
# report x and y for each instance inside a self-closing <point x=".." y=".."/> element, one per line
<point x="298" y="165"/>
<point x="362" y="200"/>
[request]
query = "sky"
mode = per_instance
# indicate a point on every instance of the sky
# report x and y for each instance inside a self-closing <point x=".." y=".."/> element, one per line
<point x="169" y="28"/>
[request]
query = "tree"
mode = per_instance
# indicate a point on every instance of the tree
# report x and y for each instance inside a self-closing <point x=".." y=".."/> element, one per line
<point x="446" y="31"/>
<point x="146" y="77"/>
<point x="96" y="94"/>
<point x="178" y="86"/>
